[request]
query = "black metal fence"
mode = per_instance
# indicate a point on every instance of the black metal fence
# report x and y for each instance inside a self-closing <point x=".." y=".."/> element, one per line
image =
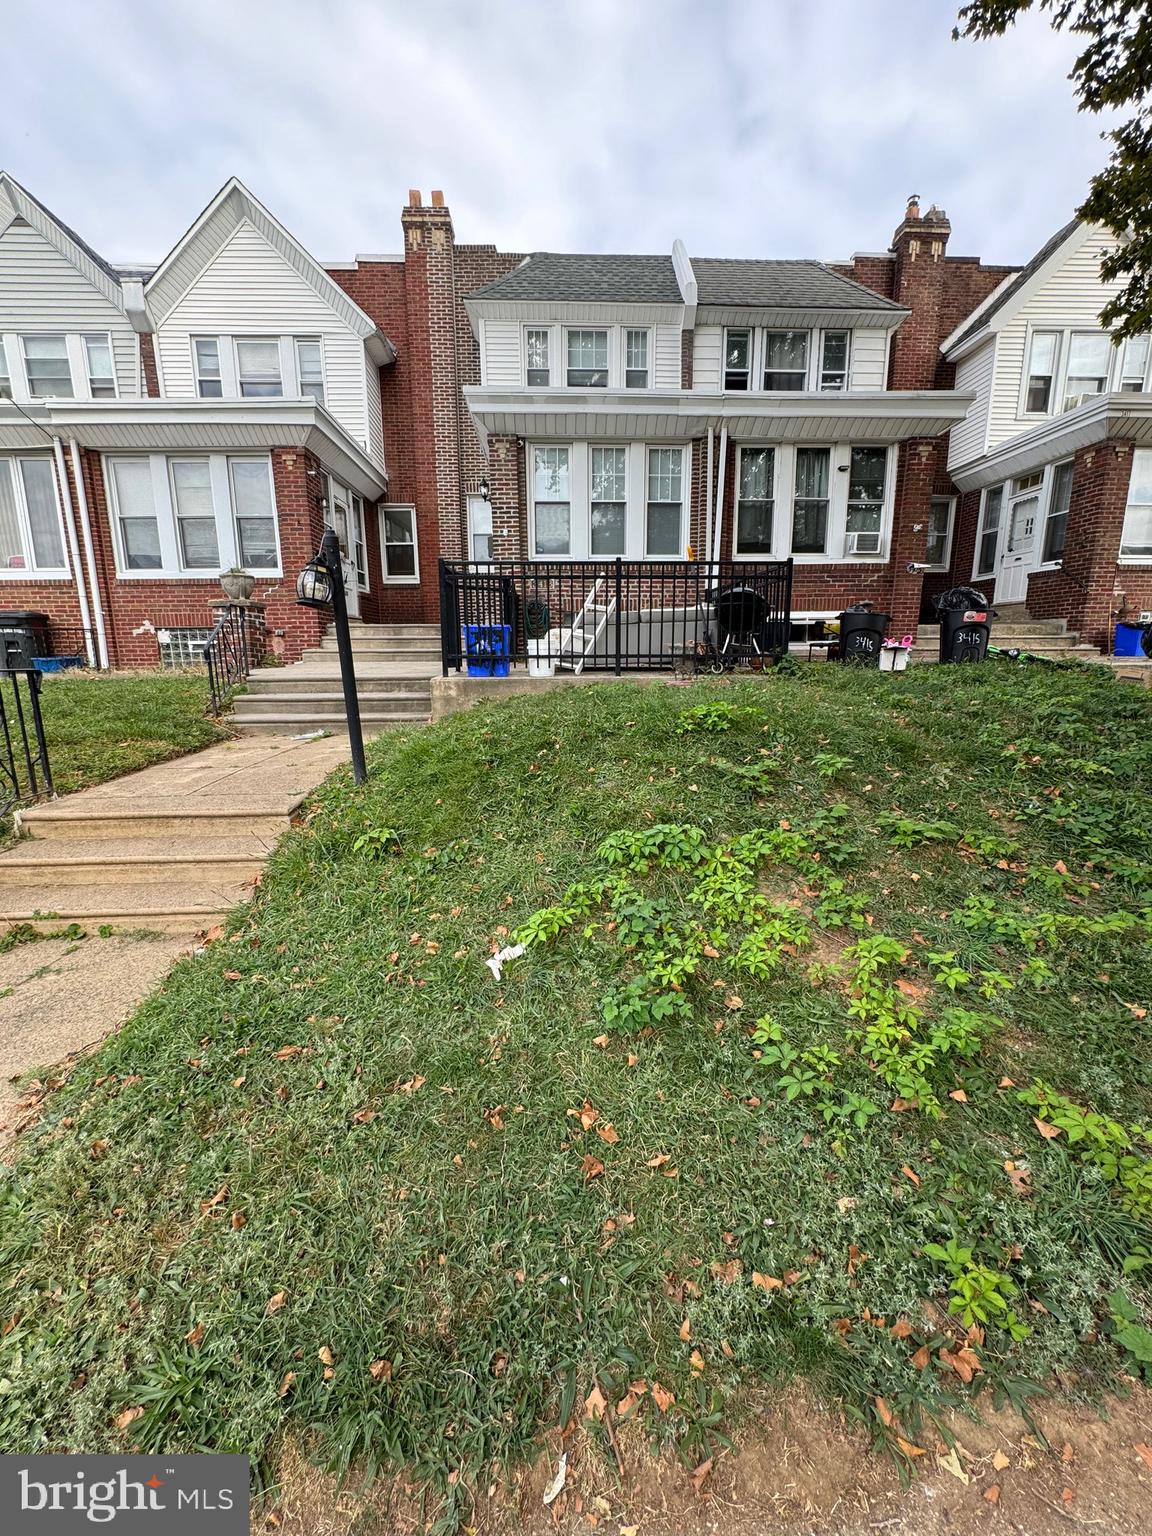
<point x="25" y="770"/>
<point x="613" y="615"/>
<point x="234" y="647"/>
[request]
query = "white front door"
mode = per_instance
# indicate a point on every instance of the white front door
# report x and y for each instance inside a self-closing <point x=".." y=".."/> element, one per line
<point x="1019" y="556"/>
<point x="347" y="523"/>
<point x="479" y="528"/>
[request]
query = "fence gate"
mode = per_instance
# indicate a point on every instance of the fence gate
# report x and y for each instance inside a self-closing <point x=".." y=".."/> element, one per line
<point x="25" y="771"/>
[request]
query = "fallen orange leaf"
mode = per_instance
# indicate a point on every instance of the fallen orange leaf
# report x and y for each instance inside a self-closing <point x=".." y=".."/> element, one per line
<point x="908" y="1174"/>
<point x="702" y="1474"/>
<point x="276" y="1302"/>
<point x="591" y="1167"/>
<point x="1049" y="1132"/>
<point x="662" y="1397"/>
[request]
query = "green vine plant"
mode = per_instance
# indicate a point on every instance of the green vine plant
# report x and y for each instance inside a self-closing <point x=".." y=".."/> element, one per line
<point x="977" y="1294"/>
<point x="1101" y="1143"/>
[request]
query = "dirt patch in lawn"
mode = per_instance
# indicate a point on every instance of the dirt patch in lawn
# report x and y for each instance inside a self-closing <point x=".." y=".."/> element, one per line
<point x="801" y="1472"/>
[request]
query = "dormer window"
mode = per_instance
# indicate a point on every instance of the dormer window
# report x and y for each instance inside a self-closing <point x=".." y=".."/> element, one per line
<point x="834" y="360"/>
<point x="539" y="368"/>
<point x="258" y="369"/>
<point x="98" y="361"/>
<point x="1089" y="359"/>
<point x="47" y="367"/>
<point x="737" y="359"/>
<point x="636" y="359"/>
<point x="310" y="368"/>
<point x="588" y="359"/>
<point x="1133" y="370"/>
<point x="785" y="359"/>
<point x="206" y="351"/>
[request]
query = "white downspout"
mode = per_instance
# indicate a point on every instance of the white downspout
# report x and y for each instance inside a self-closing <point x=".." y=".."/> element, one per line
<point x="708" y="488"/>
<point x="720" y="492"/>
<point x="74" y="550"/>
<point x="89" y="553"/>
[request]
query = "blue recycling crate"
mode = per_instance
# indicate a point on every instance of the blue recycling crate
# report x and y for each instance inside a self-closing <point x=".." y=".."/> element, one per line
<point x="488" y="647"/>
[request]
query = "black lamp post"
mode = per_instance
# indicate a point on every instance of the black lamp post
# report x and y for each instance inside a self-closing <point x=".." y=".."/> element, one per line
<point x="321" y="585"/>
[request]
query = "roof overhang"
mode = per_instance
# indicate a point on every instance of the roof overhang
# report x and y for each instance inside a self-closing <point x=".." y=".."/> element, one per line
<point x="797" y="318"/>
<point x="1126" y="416"/>
<point x="206" y="426"/>
<point x="601" y="312"/>
<point x="629" y="415"/>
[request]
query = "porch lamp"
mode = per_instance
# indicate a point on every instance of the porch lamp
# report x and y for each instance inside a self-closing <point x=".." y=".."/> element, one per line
<point x="321" y="585"/>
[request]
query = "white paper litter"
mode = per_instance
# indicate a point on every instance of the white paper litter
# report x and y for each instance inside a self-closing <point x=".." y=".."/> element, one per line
<point x="556" y="1486"/>
<point x="497" y="962"/>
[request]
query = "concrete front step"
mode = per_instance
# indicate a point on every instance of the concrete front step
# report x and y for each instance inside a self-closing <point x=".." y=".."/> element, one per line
<point x="359" y="629"/>
<point x="316" y="679"/>
<point x="303" y="720"/>
<point x="134" y="860"/>
<point x="162" y="906"/>
<point x="1052" y="628"/>
<point x="63" y="822"/>
<point x="374" y="702"/>
<point x="392" y="648"/>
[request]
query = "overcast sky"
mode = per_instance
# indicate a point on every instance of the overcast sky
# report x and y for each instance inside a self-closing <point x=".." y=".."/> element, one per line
<point x="747" y="127"/>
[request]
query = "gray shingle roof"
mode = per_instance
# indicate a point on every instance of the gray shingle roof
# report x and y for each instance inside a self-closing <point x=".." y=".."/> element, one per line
<point x="587" y="279"/>
<point x="781" y="285"/>
<point x="1002" y="298"/>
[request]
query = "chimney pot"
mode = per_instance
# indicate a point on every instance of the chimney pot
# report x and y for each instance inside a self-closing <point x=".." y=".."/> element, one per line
<point x="913" y="209"/>
<point x="437" y="199"/>
<point x="414" y="199"/>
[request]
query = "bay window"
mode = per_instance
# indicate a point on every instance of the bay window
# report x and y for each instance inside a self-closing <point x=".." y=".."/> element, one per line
<point x="737" y="359"/>
<point x="1041" y="372"/>
<point x="664" y="515"/>
<point x="310" y="368"/>
<point x="609" y="501"/>
<point x="755" y="502"/>
<point x="206" y="355"/>
<point x="865" y="500"/>
<point x="1136" y="538"/>
<point x="31" y="536"/>
<point x="552" y="500"/>
<point x="785" y="359"/>
<point x="539" y="371"/>
<point x="587" y="359"/>
<point x="636" y="359"/>
<point x="192" y="514"/>
<point x="98" y="361"/>
<point x="938" y="549"/>
<point x="195" y="516"/>
<point x="810" y="502"/>
<point x="47" y="367"/>
<point x="258" y="368"/>
<point x="989" y="538"/>
<point x="1056" y="523"/>
<point x="834" y="360"/>
<point x="1089" y="361"/>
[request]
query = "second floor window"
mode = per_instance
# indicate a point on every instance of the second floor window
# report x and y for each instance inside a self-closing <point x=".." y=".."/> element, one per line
<point x="47" y="367"/>
<point x="209" y="384"/>
<point x="1041" y="372"/>
<point x="834" y="360"/>
<point x="5" y="375"/>
<point x="258" y="369"/>
<point x="310" y="368"/>
<point x="785" y="359"/>
<point x="539" y="371"/>
<point x="1089" y="360"/>
<point x="1134" y="368"/>
<point x="636" y="359"/>
<point x="588" y="359"/>
<point x="98" y="361"/>
<point x="737" y="359"/>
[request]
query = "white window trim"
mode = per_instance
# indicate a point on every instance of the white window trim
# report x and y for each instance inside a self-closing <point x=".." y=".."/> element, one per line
<point x="162" y="501"/>
<point x="77" y="364"/>
<point x="946" y="563"/>
<point x="650" y="355"/>
<point x="839" y="465"/>
<point x="229" y="386"/>
<point x="554" y="341"/>
<point x="1048" y="493"/>
<point x="105" y="336"/>
<point x="977" y="573"/>
<point x="317" y="339"/>
<point x="1022" y="411"/>
<point x="817" y="379"/>
<point x="33" y="573"/>
<point x="635" y="504"/>
<point x="287" y="353"/>
<point x="760" y="347"/>
<point x="685" y="497"/>
<point x="612" y="337"/>
<point x="742" y="449"/>
<point x="753" y="352"/>
<point x="1123" y="559"/>
<point x="400" y="581"/>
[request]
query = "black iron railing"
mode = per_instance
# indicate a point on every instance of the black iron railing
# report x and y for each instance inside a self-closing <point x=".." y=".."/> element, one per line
<point x="25" y="771"/>
<point x="613" y="615"/>
<point x="234" y="647"/>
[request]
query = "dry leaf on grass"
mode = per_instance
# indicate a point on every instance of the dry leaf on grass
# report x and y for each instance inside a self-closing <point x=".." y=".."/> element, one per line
<point x="727" y="1273"/>
<point x="591" y="1167"/>
<point x="696" y="1361"/>
<point x="195" y="1336"/>
<point x="766" y="1282"/>
<point x="276" y="1302"/>
<point x="686" y="1329"/>
<point x="287" y="1384"/>
<point x="380" y="1370"/>
<point x="662" y="1397"/>
<point x="595" y="1404"/>
<point x="910" y="1174"/>
<point x="701" y="1475"/>
<point x="129" y="1416"/>
<point x="1049" y="1132"/>
<point x="658" y="1161"/>
<point x="608" y="1133"/>
<point x="1000" y="1461"/>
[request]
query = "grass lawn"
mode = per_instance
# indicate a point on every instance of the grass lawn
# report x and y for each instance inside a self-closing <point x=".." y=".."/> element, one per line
<point x="827" y="1061"/>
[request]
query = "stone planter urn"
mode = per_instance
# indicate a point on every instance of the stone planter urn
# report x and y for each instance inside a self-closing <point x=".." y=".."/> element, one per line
<point x="237" y="584"/>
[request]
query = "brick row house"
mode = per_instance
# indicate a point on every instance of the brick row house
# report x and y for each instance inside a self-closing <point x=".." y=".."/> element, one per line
<point x="160" y="425"/>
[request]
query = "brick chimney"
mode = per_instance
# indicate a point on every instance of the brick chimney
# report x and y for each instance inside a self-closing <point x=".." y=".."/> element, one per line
<point x="919" y="246"/>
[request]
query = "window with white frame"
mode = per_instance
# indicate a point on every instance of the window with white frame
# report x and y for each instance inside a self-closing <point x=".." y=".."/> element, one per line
<point x="191" y="514"/>
<point x="864" y="523"/>
<point x="737" y="359"/>
<point x="1136" y="538"/>
<point x="552" y="500"/>
<point x="258" y="367"/>
<point x="195" y="514"/>
<point x="664" y="516"/>
<point x="785" y="360"/>
<point x="609" y="501"/>
<point x="5" y="374"/>
<point x="834" y="350"/>
<point x="31" y="535"/>
<point x="1089" y="362"/>
<point x="810" y="502"/>
<point x="587" y="359"/>
<point x="938" y="547"/>
<point x="206" y="356"/>
<point x="98" y="361"/>
<point x="636" y="359"/>
<point x="398" y="542"/>
<point x="988" y="540"/>
<point x="1134" y="365"/>
<point x="47" y="368"/>
<point x="310" y="367"/>
<point x="1056" y="523"/>
<point x="755" y="502"/>
<point x="538" y="342"/>
<point x="1042" y="355"/>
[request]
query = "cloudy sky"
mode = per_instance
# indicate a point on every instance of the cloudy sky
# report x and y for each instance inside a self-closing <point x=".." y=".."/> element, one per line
<point x="747" y="127"/>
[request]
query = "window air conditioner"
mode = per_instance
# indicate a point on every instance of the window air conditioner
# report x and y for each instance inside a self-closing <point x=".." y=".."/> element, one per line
<point x="862" y="543"/>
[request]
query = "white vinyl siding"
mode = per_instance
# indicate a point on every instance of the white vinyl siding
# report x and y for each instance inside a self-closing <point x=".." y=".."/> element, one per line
<point x="503" y="359"/>
<point x="665" y="348"/>
<point x="708" y="358"/>
<point x="867" y="360"/>
<point x="249" y="290"/>
<point x="974" y="373"/>
<point x="504" y="352"/>
<point x="41" y="291"/>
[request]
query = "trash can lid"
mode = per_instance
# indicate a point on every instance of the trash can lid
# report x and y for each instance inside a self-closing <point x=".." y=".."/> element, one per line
<point x="10" y="616"/>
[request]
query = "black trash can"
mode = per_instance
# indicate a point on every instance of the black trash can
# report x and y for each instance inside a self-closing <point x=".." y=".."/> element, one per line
<point x="34" y="625"/>
<point x="965" y="624"/>
<point x="862" y="635"/>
